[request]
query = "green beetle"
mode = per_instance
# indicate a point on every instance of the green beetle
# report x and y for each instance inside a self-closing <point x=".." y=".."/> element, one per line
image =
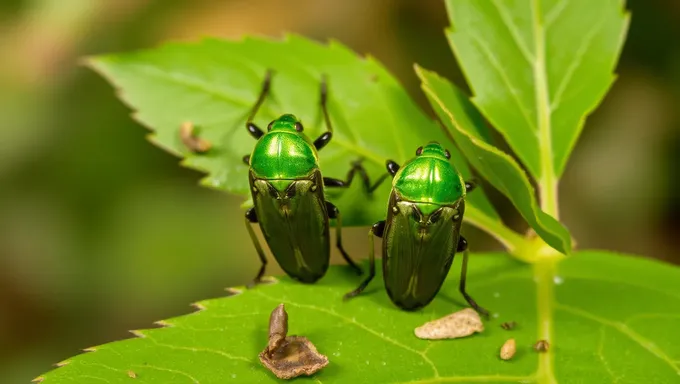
<point x="422" y="232"/>
<point x="288" y="194"/>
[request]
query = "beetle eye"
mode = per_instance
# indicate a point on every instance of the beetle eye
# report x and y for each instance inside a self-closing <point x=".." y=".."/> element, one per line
<point x="415" y="213"/>
<point x="298" y="127"/>
<point x="447" y="154"/>
<point x="290" y="191"/>
<point x="269" y="127"/>
<point x="272" y="191"/>
<point x="419" y="151"/>
<point x="435" y="216"/>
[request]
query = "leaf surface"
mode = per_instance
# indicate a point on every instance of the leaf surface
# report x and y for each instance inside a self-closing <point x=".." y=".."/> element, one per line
<point x="465" y="124"/>
<point x="215" y="83"/>
<point x="607" y="317"/>
<point x="537" y="68"/>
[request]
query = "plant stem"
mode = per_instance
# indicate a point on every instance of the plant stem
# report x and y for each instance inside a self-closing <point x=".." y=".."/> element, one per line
<point x="511" y="240"/>
<point x="548" y="180"/>
<point x="544" y="275"/>
<point x="548" y="190"/>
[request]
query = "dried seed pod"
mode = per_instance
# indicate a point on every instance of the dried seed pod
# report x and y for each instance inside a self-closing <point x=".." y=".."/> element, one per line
<point x="195" y="144"/>
<point x="278" y="328"/>
<point x="289" y="356"/>
<point x="509" y="325"/>
<point x="542" y="346"/>
<point x="508" y="349"/>
<point x="459" y="324"/>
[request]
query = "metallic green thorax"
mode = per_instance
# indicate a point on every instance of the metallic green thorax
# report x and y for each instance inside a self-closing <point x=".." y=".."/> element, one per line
<point x="429" y="178"/>
<point x="283" y="152"/>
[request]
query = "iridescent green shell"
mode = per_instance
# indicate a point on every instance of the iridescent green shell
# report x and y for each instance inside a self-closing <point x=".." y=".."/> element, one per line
<point x="429" y="178"/>
<point x="283" y="152"/>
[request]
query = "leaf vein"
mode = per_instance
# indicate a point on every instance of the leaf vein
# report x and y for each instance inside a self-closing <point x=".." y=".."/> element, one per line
<point x="624" y="329"/>
<point x="514" y="32"/>
<point x="554" y="13"/>
<point x="193" y="380"/>
<point x="575" y="64"/>
<point x="493" y="60"/>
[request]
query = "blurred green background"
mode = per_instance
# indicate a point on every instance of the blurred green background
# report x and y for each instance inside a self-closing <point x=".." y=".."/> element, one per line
<point x="100" y="232"/>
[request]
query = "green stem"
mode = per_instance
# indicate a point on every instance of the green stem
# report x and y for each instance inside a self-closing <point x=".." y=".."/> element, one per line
<point x="548" y="180"/>
<point x="544" y="274"/>
<point x="511" y="240"/>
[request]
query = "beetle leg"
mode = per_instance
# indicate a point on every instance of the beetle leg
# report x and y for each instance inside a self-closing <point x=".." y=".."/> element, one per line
<point x="246" y="159"/>
<point x="251" y="218"/>
<point x="356" y="167"/>
<point x="462" y="247"/>
<point x="392" y="167"/>
<point x="325" y="137"/>
<point x="377" y="230"/>
<point x="253" y="129"/>
<point x="470" y="185"/>
<point x="334" y="213"/>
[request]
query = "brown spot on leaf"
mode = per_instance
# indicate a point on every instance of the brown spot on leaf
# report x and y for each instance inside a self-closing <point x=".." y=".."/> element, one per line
<point x="509" y="325"/>
<point x="542" y="346"/>
<point x="194" y="143"/>
<point x="132" y="374"/>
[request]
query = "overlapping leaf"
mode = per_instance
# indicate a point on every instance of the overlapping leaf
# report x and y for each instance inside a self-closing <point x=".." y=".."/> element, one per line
<point x="464" y="123"/>
<point x="537" y="68"/>
<point x="619" y="326"/>
<point x="215" y="83"/>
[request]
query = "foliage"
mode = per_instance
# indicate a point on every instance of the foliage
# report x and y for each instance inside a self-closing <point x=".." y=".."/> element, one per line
<point x="369" y="340"/>
<point x="536" y="68"/>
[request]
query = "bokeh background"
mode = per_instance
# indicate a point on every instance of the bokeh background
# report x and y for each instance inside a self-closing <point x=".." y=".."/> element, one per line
<point x="100" y="232"/>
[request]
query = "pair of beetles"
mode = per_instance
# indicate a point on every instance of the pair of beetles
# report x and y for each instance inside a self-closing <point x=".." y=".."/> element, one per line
<point x="420" y="235"/>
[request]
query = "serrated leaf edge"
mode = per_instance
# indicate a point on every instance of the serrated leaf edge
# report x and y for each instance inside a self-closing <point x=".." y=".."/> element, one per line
<point x="198" y="306"/>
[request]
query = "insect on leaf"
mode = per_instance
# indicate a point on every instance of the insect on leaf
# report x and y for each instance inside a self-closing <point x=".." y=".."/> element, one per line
<point x="215" y="83"/>
<point x="462" y="120"/>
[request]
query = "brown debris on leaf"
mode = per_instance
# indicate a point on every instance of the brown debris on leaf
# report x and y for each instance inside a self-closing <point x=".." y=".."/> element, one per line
<point x="542" y="346"/>
<point x="289" y="356"/>
<point x="194" y="143"/>
<point x="509" y="325"/>
<point x="508" y="349"/>
<point x="458" y="324"/>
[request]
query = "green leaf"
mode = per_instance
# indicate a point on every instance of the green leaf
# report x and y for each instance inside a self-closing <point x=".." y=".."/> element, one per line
<point x="607" y="318"/>
<point x="537" y="68"/>
<point x="465" y="125"/>
<point x="215" y="83"/>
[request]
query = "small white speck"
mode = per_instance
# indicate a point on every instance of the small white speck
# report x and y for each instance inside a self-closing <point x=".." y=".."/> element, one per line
<point x="367" y="362"/>
<point x="495" y="315"/>
<point x="339" y="342"/>
<point x="558" y="280"/>
<point x="384" y="363"/>
<point x="496" y="294"/>
<point x="233" y="375"/>
<point x="336" y="354"/>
